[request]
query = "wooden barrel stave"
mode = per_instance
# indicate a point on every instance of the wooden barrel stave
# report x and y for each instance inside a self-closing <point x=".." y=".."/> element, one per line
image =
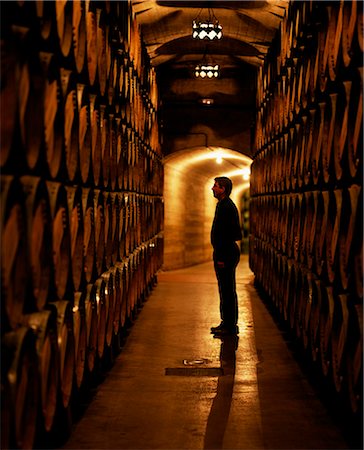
<point x="341" y="129"/>
<point x="108" y="278"/>
<point x="66" y="344"/>
<point x="53" y="115"/>
<point x="314" y="323"/>
<point x="322" y="202"/>
<point x="64" y="16"/>
<point x="117" y="274"/>
<point x="328" y="135"/>
<point x="14" y="254"/>
<point x="354" y="357"/>
<point x="325" y="328"/>
<point x="355" y="124"/>
<point x="349" y="23"/>
<point x="91" y="41"/>
<point x="80" y="333"/>
<point x="347" y="234"/>
<point x="89" y="244"/>
<point x="85" y="133"/>
<point x="39" y="234"/>
<point x="31" y="96"/>
<point x="71" y="124"/>
<point x="44" y="324"/>
<point x="61" y="236"/>
<point x="79" y="33"/>
<point x="76" y="225"/>
<point x="338" y="339"/>
<point x="95" y="140"/>
<point x="20" y="364"/>
<point x="99" y="214"/>
<point x="332" y="233"/>
<point x="100" y="288"/>
<point x="91" y="326"/>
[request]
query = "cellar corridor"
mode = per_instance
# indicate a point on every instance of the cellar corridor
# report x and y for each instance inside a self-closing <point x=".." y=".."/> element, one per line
<point x="175" y="386"/>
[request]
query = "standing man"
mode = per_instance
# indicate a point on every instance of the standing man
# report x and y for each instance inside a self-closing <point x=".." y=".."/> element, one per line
<point x="224" y="234"/>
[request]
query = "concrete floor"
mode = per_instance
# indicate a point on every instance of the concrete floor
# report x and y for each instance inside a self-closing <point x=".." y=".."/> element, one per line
<point x="175" y="386"/>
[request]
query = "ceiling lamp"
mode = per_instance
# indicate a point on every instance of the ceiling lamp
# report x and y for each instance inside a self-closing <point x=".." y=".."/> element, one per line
<point x="209" y="28"/>
<point x="207" y="70"/>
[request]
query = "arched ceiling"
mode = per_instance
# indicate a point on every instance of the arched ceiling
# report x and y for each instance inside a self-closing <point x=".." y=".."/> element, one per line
<point x="248" y="30"/>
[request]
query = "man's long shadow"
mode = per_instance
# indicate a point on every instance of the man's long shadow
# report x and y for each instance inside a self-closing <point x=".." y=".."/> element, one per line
<point x="220" y="409"/>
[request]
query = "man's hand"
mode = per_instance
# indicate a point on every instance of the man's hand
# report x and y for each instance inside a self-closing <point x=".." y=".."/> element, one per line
<point x="220" y="264"/>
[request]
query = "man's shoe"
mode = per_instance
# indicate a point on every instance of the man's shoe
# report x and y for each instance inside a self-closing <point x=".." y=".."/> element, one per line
<point x="215" y="329"/>
<point x="227" y="331"/>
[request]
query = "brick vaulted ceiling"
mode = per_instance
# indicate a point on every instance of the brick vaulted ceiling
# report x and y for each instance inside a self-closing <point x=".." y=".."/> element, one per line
<point x="248" y="30"/>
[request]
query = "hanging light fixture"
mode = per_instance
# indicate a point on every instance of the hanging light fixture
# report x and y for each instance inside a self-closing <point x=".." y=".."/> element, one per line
<point x="206" y="68"/>
<point x="209" y="28"/>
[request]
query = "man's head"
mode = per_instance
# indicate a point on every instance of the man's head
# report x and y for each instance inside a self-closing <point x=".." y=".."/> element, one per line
<point x="222" y="187"/>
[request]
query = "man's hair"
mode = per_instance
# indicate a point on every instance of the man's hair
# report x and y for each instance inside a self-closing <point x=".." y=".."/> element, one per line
<point x="226" y="183"/>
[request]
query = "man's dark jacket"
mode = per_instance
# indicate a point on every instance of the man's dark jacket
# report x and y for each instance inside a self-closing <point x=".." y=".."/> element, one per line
<point x="225" y="230"/>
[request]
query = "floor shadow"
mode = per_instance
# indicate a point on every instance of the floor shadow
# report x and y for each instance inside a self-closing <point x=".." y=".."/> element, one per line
<point x="220" y="409"/>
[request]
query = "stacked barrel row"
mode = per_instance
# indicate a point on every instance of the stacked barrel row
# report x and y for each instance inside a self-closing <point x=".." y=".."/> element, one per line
<point x="81" y="202"/>
<point x="306" y="242"/>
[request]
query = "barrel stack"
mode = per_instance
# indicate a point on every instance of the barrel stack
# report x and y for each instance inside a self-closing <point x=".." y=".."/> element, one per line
<point x="306" y="234"/>
<point x="81" y="202"/>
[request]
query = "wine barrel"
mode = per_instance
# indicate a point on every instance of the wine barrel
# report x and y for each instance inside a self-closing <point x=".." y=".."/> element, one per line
<point x="39" y="235"/>
<point x="302" y="151"/>
<point x="46" y="14"/>
<point x="66" y="344"/>
<point x="53" y="114"/>
<point x="117" y="273"/>
<point x="91" y="326"/>
<point x="105" y="145"/>
<point x="102" y="44"/>
<point x="64" y="16"/>
<point x="322" y="202"/>
<point x="347" y="232"/>
<point x="44" y="325"/>
<point x="99" y="214"/>
<point x="71" y="124"/>
<point x="354" y="357"/>
<point x="100" y="288"/>
<point x="31" y="98"/>
<point x="10" y="78"/>
<point x="80" y="333"/>
<point x="332" y="233"/>
<point x="14" y="255"/>
<point x="119" y="135"/>
<point x="318" y="142"/>
<point x="338" y="339"/>
<point x="128" y="214"/>
<point x="79" y="33"/>
<point x="323" y="50"/>
<point x="108" y="236"/>
<point x="349" y="23"/>
<point x="20" y="364"/>
<point x="96" y="161"/>
<point x="335" y="31"/>
<point x="108" y="278"/>
<point x="309" y="148"/>
<point x="341" y="128"/>
<point x="91" y="41"/>
<point x="325" y="328"/>
<point x="307" y="289"/>
<point x="113" y="152"/>
<point x="61" y="236"/>
<point x="311" y="217"/>
<point x="355" y="124"/>
<point x="89" y="245"/>
<point x="314" y="321"/>
<point x="115" y="226"/>
<point x="85" y="132"/>
<point x="76" y="225"/>
<point x="328" y="135"/>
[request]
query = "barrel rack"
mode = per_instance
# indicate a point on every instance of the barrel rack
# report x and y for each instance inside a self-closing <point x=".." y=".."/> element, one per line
<point x="306" y="231"/>
<point x="81" y="201"/>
